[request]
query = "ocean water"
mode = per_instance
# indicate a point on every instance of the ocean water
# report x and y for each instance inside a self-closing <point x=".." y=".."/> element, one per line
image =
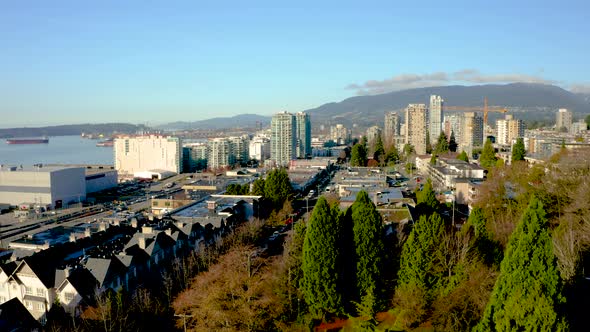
<point x="59" y="150"/>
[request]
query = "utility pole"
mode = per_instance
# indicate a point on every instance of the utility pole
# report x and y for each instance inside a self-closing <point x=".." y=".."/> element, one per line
<point x="184" y="316"/>
<point x="453" y="221"/>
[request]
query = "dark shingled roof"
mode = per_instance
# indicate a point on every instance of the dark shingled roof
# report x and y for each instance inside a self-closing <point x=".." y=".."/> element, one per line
<point x="15" y="317"/>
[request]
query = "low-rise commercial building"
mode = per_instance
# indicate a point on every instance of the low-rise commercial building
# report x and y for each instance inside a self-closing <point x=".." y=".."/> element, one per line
<point x="47" y="186"/>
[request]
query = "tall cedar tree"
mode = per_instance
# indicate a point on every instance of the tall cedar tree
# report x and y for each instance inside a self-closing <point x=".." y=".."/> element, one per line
<point x="426" y="200"/>
<point x="358" y="156"/>
<point x="487" y="159"/>
<point x="258" y="187"/>
<point x="463" y="156"/>
<point x="419" y="255"/>
<point x="483" y="244"/>
<point x="322" y="261"/>
<point x="368" y="241"/>
<point x="379" y="149"/>
<point x="528" y="293"/>
<point x="518" y="151"/>
<point x="453" y="142"/>
<point x="442" y="144"/>
<point x="277" y="187"/>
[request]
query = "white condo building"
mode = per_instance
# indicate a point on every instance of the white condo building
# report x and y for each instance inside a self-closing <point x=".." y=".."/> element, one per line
<point x="339" y="134"/>
<point x="563" y="119"/>
<point x="283" y="140"/>
<point x="416" y="127"/>
<point x="259" y="148"/>
<point x="435" y="117"/>
<point x="135" y="154"/>
<point x="508" y="129"/>
<point x="453" y="124"/>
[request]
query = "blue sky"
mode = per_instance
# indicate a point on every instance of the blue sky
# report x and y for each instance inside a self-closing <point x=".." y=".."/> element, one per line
<point x="162" y="61"/>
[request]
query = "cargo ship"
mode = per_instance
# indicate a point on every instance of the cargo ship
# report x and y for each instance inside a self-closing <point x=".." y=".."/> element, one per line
<point x="43" y="140"/>
<point x="108" y="142"/>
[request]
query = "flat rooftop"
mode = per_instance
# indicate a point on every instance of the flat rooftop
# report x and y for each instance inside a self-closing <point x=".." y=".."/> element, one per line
<point x="31" y="168"/>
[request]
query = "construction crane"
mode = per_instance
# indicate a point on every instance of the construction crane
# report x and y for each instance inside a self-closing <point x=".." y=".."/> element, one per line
<point x="485" y="109"/>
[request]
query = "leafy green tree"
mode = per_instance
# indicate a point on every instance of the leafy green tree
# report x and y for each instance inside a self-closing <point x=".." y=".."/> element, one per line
<point x="433" y="159"/>
<point x="358" y="156"/>
<point x="379" y="150"/>
<point x="364" y="141"/>
<point x="453" y="142"/>
<point x="487" y="159"/>
<point x="419" y="255"/>
<point x="587" y="121"/>
<point x="368" y="241"/>
<point x="528" y="293"/>
<point x="408" y="150"/>
<point x="518" y="151"/>
<point x="277" y="187"/>
<point x="426" y="199"/>
<point x="258" y="187"/>
<point x="463" y="156"/>
<point x="442" y="144"/>
<point x="322" y="262"/>
<point x="392" y="156"/>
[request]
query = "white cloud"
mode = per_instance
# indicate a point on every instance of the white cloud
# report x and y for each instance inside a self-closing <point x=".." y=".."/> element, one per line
<point x="410" y="81"/>
<point x="474" y="76"/>
<point x="400" y="82"/>
<point x="580" y="88"/>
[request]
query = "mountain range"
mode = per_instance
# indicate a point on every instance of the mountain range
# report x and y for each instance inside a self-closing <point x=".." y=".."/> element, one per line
<point x="238" y="121"/>
<point x="528" y="101"/>
<point x="533" y="101"/>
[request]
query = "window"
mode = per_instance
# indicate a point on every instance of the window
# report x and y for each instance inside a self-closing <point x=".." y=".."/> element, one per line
<point x="40" y="292"/>
<point x="28" y="290"/>
<point x="69" y="296"/>
<point x="2" y="299"/>
<point x="29" y="305"/>
<point x="40" y="307"/>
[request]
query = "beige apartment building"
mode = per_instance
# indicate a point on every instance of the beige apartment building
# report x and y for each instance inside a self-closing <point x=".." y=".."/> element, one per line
<point x="416" y="127"/>
<point x="135" y="154"/>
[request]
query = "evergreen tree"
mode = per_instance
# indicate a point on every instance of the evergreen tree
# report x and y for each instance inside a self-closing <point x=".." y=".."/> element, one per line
<point x="392" y="156"/>
<point x="463" y="156"/>
<point x="358" y="156"/>
<point x="379" y="150"/>
<point x="487" y="159"/>
<point x="364" y="141"/>
<point x="419" y="255"/>
<point x="483" y="244"/>
<point x="442" y="145"/>
<point x="518" y="151"/>
<point x="258" y="187"/>
<point x="321" y="261"/>
<point x="433" y="159"/>
<point x="368" y="241"/>
<point x="528" y="293"/>
<point x="277" y="187"/>
<point x="426" y="200"/>
<point x="453" y="142"/>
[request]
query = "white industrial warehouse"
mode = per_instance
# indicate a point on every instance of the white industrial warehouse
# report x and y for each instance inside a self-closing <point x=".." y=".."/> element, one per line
<point x="51" y="187"/>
